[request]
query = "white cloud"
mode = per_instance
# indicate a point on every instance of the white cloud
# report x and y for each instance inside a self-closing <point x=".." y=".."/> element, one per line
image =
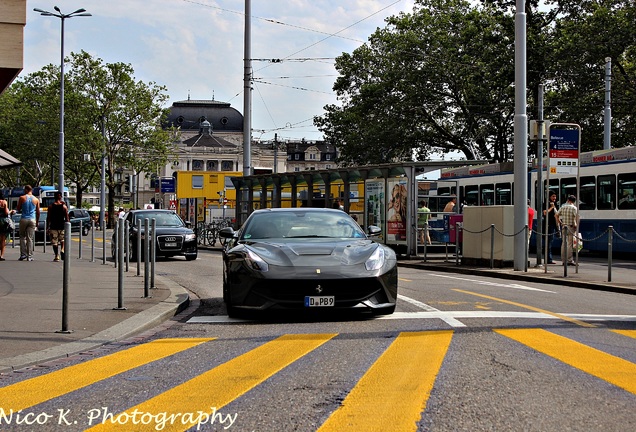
<point x="196" y="48"/>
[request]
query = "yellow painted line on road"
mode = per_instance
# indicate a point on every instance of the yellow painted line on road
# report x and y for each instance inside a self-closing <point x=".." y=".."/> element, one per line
<point x="628" y="333"/>
<point x="188" y="404"/>
<point x="392" y="394"/>
<point x="607" y="367"/>
<point x="532" y="308"/>
<point x="33" y="391"/>
<point x="405" y="280"/>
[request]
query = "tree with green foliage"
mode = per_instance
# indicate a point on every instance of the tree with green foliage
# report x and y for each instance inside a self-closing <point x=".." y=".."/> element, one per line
<point x="441" y="79"/>
<point x="107" y="113"/>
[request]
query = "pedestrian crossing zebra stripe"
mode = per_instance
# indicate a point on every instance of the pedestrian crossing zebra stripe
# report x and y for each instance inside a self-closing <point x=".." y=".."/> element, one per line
<point x="392" y="394"/>
<point x="628" y="333"/>
<point x="607" y="367"/>
<point x="36" y="390"/>
<point x="219" y="386"/>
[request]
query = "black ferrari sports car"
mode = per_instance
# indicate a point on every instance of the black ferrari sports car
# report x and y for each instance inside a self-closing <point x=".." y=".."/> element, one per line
<point x="306" y="259"/>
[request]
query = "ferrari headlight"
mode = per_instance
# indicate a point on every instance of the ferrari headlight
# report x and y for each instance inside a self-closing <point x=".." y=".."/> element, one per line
<point x="255" y="262"/>
<point x="376" y="260"/>
<point x="189" y="237"/>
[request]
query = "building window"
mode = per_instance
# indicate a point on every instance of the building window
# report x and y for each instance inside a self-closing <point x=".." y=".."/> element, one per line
<point x="297" y="157"/>
<point x="197" y="182"/>
<point x="327" y="156"/>
<point x="296" y="169"/>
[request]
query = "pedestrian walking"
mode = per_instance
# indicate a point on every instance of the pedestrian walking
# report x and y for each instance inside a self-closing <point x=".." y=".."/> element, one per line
<point x="568" y="217"/>
<point x="57" y="217"/>
<point x="423" y="213"/>
<point x="531" y="213"/>
<point x="450" y="206"/>
<point x="29" y="206"/>
<point x="5" y="226"/>
<point x="550" y="216"/>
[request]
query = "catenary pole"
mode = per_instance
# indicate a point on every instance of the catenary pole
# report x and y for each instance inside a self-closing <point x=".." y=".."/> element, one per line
<point x="520" y="139"/>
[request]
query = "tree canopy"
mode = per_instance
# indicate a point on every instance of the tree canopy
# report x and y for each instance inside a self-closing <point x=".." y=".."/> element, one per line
<point x="441" y="79"/>
<point x="107" y="112"/>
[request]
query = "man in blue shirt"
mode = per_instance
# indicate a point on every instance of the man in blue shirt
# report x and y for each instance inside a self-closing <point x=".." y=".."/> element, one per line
<point x="29" y="206"/>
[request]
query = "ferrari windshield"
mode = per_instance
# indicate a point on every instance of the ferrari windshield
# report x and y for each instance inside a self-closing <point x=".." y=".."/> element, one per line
<point x="301" y="223"/>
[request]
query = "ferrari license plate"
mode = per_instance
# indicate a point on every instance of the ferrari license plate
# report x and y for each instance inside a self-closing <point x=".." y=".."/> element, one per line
<point x="319" y="301"/>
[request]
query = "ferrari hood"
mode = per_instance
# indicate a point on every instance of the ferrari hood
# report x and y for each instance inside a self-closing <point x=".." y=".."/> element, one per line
<point x="312" y="252"/>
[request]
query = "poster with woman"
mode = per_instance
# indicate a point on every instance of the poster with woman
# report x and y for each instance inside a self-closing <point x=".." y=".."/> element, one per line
<point x="396" y="210"/>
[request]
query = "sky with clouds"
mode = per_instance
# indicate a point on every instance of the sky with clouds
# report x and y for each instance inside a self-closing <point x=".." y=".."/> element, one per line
<point x="195" y="49"/>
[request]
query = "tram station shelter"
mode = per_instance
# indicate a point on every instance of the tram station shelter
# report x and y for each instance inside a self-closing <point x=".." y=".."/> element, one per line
<point x="382" y="195"/>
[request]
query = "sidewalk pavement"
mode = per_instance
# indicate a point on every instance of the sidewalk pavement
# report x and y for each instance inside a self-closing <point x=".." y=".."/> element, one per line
<point x="31" y="299"/>
<point x="31" y="305"/>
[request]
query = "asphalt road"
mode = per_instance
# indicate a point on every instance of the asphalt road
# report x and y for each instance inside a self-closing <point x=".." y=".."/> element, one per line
<point x="462" y="353"/>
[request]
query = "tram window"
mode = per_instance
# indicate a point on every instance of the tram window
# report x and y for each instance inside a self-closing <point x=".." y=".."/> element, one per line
<point x="606" y="187"/>
<point x="446" y="191"/>
<point x="503" y="194"/>
<point x="568" y="187"/>
<point x="627" y="191"/>
<point x="587" y="200"/>
<point x="471" y="195"/>
<point x="487" y="194"/>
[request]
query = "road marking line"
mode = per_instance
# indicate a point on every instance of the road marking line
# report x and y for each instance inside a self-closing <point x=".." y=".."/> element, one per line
<point x="628" y="333"/>
<point x="488" y="283"/>
<point x="405" y="280"/>
<point x="210" y="391"/>
<point x="392" y="394"/>
<point x="521" y="305"/>
<point x="607" y="367"/>
<point x="33" y="391"/>
<point x="453" y="322"/>
<point x="224" y="319"/>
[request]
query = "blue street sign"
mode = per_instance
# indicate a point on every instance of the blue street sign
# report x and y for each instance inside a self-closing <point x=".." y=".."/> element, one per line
<point x="167" y="185"/>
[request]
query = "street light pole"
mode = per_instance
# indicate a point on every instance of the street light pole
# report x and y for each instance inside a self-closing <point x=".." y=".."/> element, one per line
<point x="62" y="17"/>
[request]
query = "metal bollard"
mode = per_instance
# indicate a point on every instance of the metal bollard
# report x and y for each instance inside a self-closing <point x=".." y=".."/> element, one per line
<point x="610" y="241"/>
<point x="103" y="241"/>
<point x="66" y="276"/>
<point x="457" y="228"/>
<point x="146" y="257"/>
<point x="153" y="253"/>
<point x="492" y="246"/>
<point x="564" y="242"/>
<point x="525" y="231"/>
<point x="92" y="241"/>
<point x="117" y="246"/>
<point x="138" y="247"/>
<point x="127" y="242"/>
<point x="120" y="266"/>
<point x="79" y="247"/>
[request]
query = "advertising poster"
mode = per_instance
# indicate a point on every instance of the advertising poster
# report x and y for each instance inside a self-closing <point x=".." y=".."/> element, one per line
<point x="396" y="210"/>
<point x="374" y="208"/>
<point x="564" y="151"/>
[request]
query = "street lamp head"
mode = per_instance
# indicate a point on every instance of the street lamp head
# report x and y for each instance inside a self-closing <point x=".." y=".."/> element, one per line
<point x="43" y="12"/>
<point x="57" y="9"/>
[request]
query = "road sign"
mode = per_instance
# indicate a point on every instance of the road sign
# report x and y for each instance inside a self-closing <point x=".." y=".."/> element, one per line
<point x="564" y="149"/>
<point x="167" y="185"/>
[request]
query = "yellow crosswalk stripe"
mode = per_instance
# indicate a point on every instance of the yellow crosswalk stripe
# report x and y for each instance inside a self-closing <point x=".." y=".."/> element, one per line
<point x="197" y="400"/>
<point x="392" y="394"/>
<point x="628" y="333"/>
<point x="612" y="369"/>
<point x="33" y="391"/>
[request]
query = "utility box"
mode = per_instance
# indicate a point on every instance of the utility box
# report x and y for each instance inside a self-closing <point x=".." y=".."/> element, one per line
<point x="452" y="228"/>
<point x="477" y="230"/>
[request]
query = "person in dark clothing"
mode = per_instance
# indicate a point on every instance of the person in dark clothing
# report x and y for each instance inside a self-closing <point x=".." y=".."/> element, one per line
<point x="57" y="217"/>
<point x="552" y="223"/>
